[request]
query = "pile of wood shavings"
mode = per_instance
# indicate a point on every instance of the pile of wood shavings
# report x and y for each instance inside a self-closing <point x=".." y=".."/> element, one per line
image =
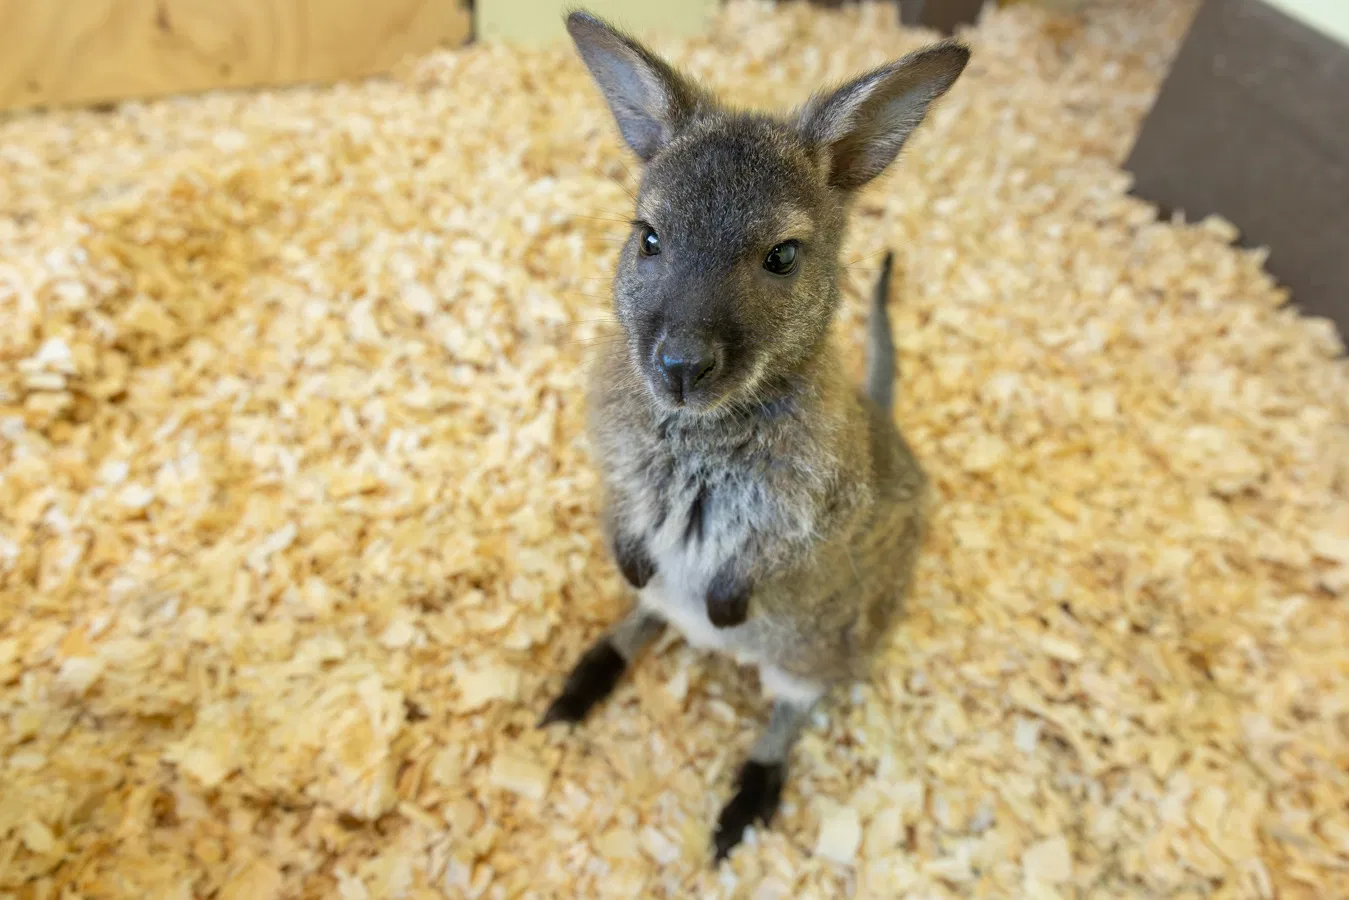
<point x="297" y="533"/>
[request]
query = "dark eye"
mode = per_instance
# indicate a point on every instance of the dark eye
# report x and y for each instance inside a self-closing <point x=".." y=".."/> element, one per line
<point x="781" y="260"/>
<point x="648" y="242"/>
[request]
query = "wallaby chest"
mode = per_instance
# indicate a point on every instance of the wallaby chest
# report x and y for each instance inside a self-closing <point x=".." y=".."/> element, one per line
<point x="696" y="502"/>
<point x="753" y="503"/>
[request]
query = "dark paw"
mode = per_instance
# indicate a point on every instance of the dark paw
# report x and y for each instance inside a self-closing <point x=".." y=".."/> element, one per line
<point x="633" y="561"/>
<point x="756" y="800"/>
<point x="727" y="602"/>
<point x="592" y="679"/>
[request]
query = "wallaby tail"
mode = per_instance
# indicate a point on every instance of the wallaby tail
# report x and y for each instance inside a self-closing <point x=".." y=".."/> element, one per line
<point x="880" y="343"/>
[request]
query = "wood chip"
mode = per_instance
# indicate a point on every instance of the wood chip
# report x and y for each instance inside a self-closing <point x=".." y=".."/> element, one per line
<point x="298" y="530"/>
<point x="482" y="685"/>
<point x="78" y="674"/>
<point x="1048" y="861"/>
<point x="257" y="880"/>
<point x="658" y="846"/>
<point x="840" y="835"/>
<point x="37" y="837"/>
<point x="520" y="776"/>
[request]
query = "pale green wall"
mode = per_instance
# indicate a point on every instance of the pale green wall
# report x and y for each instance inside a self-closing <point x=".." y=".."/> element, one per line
<point x="1329" y="16"/>
<point x="539" y="21"/>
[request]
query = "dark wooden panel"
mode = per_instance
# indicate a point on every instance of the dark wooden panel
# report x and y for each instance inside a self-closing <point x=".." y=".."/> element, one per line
<point x="89" y="51"/>
<point x="1252" y="123"/>
<point x="943" y="15"/>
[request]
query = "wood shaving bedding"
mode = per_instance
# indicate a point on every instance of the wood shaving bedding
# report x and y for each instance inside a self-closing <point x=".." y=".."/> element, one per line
<point x="297" y="530"/>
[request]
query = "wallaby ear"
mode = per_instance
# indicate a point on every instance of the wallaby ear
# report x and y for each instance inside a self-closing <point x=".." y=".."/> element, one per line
<point x="862" y="125"/>
<point x="648" y="98"/>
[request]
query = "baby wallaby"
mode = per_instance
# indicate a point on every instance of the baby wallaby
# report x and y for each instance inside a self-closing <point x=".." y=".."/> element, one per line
<point x="755" y="498"/>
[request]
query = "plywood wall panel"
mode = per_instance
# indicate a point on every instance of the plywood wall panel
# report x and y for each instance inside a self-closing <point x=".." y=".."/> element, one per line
<point x="55" y="52"/>
<point x="541" y="21"/>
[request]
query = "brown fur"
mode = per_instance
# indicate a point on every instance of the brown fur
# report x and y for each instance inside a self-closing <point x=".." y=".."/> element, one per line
<point x="822" y="501"/>
<point x="759" y="501"/>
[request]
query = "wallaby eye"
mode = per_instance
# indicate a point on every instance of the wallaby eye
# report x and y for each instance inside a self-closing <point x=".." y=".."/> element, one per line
<point x="781" y="260"/>
<point x="648" y="242"/>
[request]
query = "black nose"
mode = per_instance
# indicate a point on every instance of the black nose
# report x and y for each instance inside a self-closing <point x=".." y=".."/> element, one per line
<point x="685" y="365"/>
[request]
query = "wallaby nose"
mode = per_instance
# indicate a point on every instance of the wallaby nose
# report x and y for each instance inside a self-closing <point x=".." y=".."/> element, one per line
<point x="685" y="365"/>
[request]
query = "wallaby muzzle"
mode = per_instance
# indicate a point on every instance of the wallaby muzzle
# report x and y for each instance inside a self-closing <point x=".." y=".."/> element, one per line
<point x="688" y="363"/>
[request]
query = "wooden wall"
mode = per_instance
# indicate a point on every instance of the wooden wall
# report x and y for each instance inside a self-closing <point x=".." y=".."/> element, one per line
<point x="61" y="52"/>
<point x="1252" y="124"/>
<point x="541" y="21"/>
<point x="55" y="52"/>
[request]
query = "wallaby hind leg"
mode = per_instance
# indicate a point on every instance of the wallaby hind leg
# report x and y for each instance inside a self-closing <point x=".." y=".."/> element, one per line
<point x="759" y="787"/>
<point x="597" y="672"/>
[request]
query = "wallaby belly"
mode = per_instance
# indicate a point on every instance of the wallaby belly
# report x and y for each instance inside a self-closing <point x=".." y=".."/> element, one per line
<point x="689" y="544"/>
<point x="708" y="514"/>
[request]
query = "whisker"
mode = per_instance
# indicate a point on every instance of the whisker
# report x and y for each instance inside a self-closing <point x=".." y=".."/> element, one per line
<point x="572" y="323"/>
<point x="592" y="355"/>
<point x="864" y="258"/>
<point x="609" y="218"/>
<point x="631" y="177"/>
<point x="603" y="335"/>
<point x="603" y="341"/>
<point x="603" y="174"/>
<point x="584" y="294"/>
<point x="627" y="190"/>
<point x="565" y="338"/>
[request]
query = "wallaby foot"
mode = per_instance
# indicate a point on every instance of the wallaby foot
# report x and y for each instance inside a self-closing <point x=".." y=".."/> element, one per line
<point x="759" y="787"/>
<point x="596" y="674"/>
<point x="757" y="792"/>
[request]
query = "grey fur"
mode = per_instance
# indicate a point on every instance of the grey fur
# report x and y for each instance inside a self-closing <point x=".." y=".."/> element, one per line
<point x="865" y="123"/>
<point x="634" y="632"/>
<point x="881" y="343"/>
<point x="785" y="725"/>
<point x="648" y="98"/>
<point x="774" y="512"/>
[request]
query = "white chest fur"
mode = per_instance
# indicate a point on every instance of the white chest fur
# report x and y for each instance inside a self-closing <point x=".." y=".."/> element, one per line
<point x="685" y="568"/>
<point x="687" y="612"/>
<point x="689" y="617"/>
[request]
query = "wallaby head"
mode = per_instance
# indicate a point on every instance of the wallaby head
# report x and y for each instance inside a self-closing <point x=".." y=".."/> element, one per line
<point x="729" y="279"/>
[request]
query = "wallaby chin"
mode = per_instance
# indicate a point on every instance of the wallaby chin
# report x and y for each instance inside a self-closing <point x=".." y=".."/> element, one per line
<point x="754" y="498"/>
